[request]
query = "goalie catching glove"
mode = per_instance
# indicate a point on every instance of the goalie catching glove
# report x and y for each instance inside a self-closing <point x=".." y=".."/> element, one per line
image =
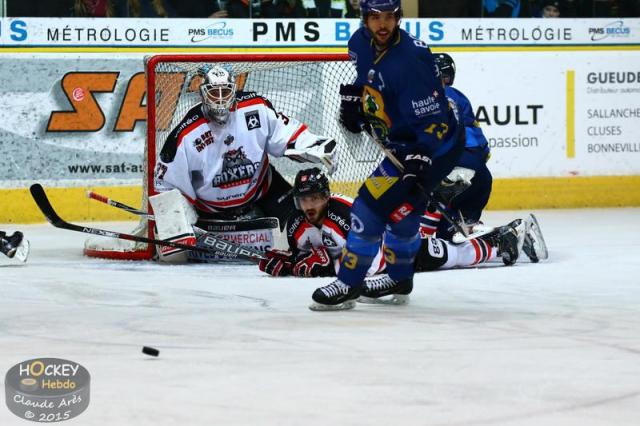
<point x="314" y="149"/>
<point x="280" y="263"/>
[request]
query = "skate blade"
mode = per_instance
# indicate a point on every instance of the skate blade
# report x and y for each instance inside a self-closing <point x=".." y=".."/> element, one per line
<point x="539" y="245"/>
<point x="394" y="299"/>
<point x="19" y="256"/>
<point x="22" y="252"/>
<point x="319" y="307"/>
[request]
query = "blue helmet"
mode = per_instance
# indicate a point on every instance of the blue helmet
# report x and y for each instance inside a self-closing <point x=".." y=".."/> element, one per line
<point x="377" y="6"/>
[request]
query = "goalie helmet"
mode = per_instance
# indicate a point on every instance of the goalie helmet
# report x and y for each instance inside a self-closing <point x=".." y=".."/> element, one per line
<point x="446" y="66"/>
<point x="218" y="92"/>
<point x="378" y="6"/>
<point x="310" y="181"/>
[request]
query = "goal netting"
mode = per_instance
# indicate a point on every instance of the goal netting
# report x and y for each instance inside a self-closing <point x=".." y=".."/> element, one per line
<point x="304" y="86"/>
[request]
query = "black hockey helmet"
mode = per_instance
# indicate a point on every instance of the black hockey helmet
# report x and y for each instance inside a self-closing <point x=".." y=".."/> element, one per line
<point x="310" y="181"/>
<point x="446" y="66"/>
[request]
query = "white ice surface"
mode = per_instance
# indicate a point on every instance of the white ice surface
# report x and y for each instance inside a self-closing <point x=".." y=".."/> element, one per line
<point x="555" y="343"/>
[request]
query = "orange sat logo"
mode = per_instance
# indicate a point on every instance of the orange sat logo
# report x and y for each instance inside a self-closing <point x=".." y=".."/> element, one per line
<point x="87" y="114"/>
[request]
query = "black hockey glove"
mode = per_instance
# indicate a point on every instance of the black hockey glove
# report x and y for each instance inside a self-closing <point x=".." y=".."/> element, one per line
<point x="416" y="163"/>
<point x="351" y="113"/>
<point x="316" y="263"/>
<point x="278" y="263"/>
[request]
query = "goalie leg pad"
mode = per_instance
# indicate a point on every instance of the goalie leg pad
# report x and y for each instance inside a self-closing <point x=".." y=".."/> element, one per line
<point x="175" y="218"/>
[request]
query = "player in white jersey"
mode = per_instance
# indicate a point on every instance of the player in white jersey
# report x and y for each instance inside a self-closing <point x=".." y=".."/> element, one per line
<point x="317" y="231"/>
<point x="218" y="156"/>
<point x="317" y="235"/>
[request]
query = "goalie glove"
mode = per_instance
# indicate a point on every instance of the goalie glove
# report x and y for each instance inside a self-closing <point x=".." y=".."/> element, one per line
<point x="351" y="113"/>
<point x="316" y="263"/>
<point x="278" y="263"/>
<point x="314" y="149"/>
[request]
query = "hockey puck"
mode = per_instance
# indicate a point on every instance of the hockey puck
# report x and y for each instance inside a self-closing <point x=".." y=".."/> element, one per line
<point x="148" y="350"/>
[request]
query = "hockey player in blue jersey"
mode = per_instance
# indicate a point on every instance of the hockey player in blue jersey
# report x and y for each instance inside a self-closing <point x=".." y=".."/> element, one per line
<point x="398" y="93"/>
<point x="468" y="205"/>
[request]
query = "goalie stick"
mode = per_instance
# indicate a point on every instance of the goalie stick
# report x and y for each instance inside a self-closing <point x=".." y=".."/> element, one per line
<point x="205" y="226"/>
<point x="218" y="245"/>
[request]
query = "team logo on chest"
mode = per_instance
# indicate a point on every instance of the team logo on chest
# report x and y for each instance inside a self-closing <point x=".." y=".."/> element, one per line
<point x="327" y="241"/>
<point x="237" y="169"/>
<point x="253" y="120"/>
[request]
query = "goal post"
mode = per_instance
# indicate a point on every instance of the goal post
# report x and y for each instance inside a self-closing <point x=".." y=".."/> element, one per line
<point x="300" y="85"/>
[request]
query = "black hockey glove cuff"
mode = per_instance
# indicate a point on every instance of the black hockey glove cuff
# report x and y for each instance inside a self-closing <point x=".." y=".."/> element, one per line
<point x="351" y="113"/>
<point x="415" y="164"/>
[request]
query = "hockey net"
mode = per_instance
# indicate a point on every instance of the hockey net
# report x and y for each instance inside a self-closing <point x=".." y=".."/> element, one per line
<point x="304" y="86"/>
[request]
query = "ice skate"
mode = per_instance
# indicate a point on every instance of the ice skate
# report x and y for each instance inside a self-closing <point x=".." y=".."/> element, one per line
<point x="508" y="240"/>
<point x="336" y="296"/>
<point x="534" y="245"/>
<point x="15" y="246"/>
<point x="384" y="290"/>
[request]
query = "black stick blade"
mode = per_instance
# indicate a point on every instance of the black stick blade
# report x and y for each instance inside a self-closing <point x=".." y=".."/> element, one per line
<point x="40" y="197"/>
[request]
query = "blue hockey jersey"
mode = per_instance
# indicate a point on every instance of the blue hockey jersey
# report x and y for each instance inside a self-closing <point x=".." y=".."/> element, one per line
<point x="403" y="97"/>
<point x="474" y="136"/>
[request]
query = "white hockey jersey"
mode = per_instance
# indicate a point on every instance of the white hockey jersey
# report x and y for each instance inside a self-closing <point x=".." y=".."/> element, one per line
<point x="332" y="234"/>
<point x="223" y="167"/>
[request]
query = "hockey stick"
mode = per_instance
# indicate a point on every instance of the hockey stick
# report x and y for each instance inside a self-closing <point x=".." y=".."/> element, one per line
<point x="217" y="245"/>
<point x="208" y="225"/>
<point x="113" y="203"/>
<point x="391" y="156"/>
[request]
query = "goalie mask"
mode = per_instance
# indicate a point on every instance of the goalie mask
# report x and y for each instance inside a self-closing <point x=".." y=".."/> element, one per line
<point x="218" y="92"/>
<point x="446" y="66"/>
<point x="310" y="182"/>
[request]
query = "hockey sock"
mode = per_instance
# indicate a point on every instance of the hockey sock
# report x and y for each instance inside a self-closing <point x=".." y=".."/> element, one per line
<point x="401" y="244"/>
<point x="399" y="253"/>
<point x="429" y="223"/>
<point x="472" y="252"/>
<point x="363" y="243"/>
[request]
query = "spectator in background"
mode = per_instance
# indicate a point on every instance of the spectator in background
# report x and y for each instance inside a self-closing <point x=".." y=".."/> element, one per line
<point x="150" y="9"/>
<point x="251" y="9"/>
<point x="550" y="9"/>
<point x="448" y="8"/>
<point x="290" y="9"/>
<point x="99" y="8"/>
<point x="199" y="8"/>
<point x="324" y="8"/>
<point x="352" y="9"/>
<point x="39" y="9"/>
<point x="500" y="8"/>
